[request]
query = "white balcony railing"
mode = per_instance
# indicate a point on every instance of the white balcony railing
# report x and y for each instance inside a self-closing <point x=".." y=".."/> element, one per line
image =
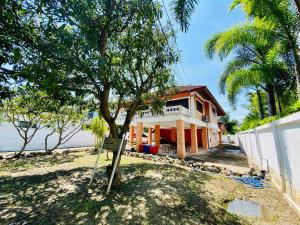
<point x="172" y="110"/>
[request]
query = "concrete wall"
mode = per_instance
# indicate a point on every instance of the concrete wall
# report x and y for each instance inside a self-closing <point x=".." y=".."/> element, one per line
<point x="276" y="147"/>
<point x="229" y="138"/>
<point x="11" y="141"/>
<point x="213" y="138"/>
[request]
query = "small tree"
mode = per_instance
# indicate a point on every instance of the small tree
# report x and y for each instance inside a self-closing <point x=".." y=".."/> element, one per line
<point x="99" y="128"/>
<point x="66" y="122"/>
<point x="230" y="124"/>
<point x="25" y="113"/>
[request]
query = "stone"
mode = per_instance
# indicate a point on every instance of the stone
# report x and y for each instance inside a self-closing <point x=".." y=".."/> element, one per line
<point x="214" y="169"/>
<point x="238" y="174"/>
<point x="204" y="168"/>
<point x="252" y="170"/>
<point x="229" y="172"/>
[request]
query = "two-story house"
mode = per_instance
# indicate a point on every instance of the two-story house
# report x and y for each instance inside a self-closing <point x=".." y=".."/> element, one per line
<point x="189" y="121"/>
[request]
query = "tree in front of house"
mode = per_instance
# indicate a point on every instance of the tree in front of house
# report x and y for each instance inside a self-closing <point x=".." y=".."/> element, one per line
<point x="64" y="122"/>
<point x="25" y="113"/>
<point x="112" y="50"/>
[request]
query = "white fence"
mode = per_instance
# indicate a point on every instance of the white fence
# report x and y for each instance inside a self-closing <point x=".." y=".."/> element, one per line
<point x="11" y="141"/>
<point x="276" y="147"/>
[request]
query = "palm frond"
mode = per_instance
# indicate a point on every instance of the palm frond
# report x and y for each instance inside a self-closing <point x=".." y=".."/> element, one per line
<point x="210" y="46"/>
<point x="233" y="66"/>
<point x="183" y="10"/>
<point x="240" y="80"/>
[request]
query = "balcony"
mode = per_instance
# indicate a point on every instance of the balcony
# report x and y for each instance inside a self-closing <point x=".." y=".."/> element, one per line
<point x="172" y="110"/>
<point x="167" y="113"/>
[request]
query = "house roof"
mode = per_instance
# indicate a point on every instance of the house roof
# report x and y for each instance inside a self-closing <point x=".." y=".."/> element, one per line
<point x="205" y="93"/>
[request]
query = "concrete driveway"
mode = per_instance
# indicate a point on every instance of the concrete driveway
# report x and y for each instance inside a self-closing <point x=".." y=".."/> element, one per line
<point x="225" y="154"/>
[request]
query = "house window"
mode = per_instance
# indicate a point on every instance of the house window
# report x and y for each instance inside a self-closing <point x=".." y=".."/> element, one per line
<point x="183" y="102"/>
<point x="214" y="111"/>
<point x="199" y="106"/>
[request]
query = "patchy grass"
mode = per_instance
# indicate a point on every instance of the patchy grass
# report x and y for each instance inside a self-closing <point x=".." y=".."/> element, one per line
<point x="150" y="194"/>
<point x="57" y="161"/>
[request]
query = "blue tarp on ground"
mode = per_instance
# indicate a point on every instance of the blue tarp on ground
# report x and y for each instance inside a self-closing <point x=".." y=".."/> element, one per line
<point x="251" y="181"/>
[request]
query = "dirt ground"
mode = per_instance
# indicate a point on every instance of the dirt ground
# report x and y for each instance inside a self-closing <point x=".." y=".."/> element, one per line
<point x="53" y="190"/>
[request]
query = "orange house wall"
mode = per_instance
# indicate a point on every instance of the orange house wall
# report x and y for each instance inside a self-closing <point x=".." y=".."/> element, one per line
<point x="166" y="134"/>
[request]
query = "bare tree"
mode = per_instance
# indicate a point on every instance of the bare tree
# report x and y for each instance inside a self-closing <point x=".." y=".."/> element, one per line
<point x="25" y="113"/>
<point x="66" y="122"/>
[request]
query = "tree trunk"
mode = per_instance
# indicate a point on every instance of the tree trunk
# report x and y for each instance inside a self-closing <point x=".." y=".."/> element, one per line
<point x="107" y="157"/>
<point x="260" y="105"/>
<point x="297" y="69"/>
<point x="117" y="176"/>
<point x="22" y="149"/>
<point x="271" y="100"/>
<point x="278" y="103"/>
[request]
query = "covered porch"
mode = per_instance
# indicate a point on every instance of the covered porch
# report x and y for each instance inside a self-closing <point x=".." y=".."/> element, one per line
<point x="183" y="136"/>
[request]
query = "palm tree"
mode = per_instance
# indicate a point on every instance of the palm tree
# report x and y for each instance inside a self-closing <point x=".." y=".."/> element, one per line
<point x="286" y="19"/>
<point x="284" y="13"/>
<point x="256" y="62"/>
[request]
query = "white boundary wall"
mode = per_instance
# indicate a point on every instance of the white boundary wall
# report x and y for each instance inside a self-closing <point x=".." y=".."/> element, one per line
<point x="276" y="147"/>
<point x="11" y="141"/>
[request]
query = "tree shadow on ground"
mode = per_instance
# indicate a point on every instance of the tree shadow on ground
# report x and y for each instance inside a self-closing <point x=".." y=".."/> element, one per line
<point x="39" y="161"/>
<point x="150" y="194"/>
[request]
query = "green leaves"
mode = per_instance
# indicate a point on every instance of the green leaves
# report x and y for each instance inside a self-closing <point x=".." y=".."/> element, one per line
<point x="183" y="10"/>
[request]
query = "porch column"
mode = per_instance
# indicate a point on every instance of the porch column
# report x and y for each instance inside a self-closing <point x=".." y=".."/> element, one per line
<point x="157" y="135"/>
<point x="149" y="136"/>
<point x="204" y="138"/>
<point x="131" y="135"/>
<point x="180" y="139"/>
<point x="139" y="135"/>
<point x="173" y="134"/>
<point x="194" y="138"/>
<point x="220" y="137"/>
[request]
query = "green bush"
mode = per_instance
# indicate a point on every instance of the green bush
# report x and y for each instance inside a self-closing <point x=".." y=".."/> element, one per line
<point x="295" y="107"/>
<point x="255" y="122"/>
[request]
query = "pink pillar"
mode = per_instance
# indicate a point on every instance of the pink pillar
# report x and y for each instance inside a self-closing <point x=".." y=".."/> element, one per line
<point x="180" y="139"/>
<point x="149" y="136"/>
<point x="131" y="135"/>
<point x="194" y="139"/>
<point x="139" y="135"/>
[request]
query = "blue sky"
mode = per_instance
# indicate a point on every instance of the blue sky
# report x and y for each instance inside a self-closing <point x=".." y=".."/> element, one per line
<point x="210" y="17"/>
